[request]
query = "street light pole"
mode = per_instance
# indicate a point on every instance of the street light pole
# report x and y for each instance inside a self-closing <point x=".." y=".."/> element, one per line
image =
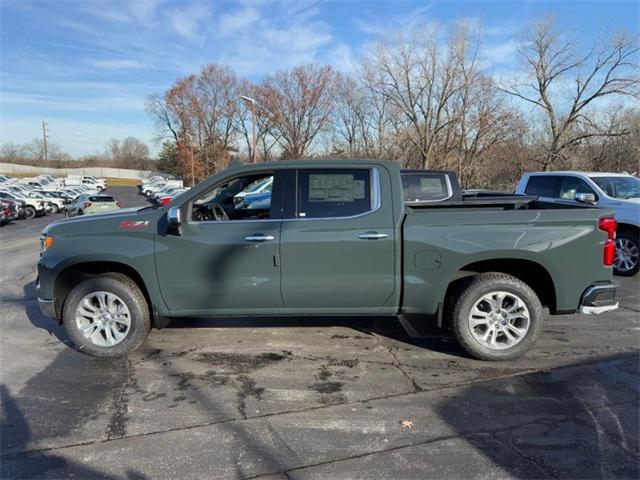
<point x="193" y="170"/>
<point x="253" y="126"/>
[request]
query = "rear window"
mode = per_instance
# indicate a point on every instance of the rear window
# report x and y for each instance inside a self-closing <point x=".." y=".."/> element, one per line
<point x="424" y="187"/>
<point x="101" y="199"/>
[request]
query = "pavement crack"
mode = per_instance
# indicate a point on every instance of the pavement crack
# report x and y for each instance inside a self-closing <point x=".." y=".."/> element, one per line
<point x="398" y="365"/>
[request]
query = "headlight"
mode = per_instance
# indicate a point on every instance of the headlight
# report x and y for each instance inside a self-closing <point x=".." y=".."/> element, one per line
<point x="46" y="242"/>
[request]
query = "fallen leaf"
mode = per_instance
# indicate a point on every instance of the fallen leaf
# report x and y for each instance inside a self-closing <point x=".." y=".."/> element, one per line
<point x="407" y="424"/>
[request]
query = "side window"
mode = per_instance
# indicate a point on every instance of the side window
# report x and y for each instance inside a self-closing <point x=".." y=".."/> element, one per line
<point x="234" y="200"/>
<point x="544" y="186"/>
<point x="571" y="186"/>
<point x="325" y="193"/>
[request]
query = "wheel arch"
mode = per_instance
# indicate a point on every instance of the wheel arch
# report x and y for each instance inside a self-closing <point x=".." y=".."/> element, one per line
<point x="73" y="274"/>
<point x="532" y="273"/>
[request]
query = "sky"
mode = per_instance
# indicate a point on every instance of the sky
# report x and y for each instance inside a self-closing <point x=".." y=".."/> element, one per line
<point x="86" y="67"/>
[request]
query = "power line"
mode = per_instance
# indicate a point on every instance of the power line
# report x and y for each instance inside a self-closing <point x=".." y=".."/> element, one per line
<point x="60" y="141"/>
<point x="86" y="132"/>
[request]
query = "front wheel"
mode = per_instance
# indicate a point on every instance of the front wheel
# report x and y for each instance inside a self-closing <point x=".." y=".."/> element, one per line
<point x="54" y="208"/>
<point x="496" y="317"/>
<point x="627" y="261"/>
<point x="106" y="316"/>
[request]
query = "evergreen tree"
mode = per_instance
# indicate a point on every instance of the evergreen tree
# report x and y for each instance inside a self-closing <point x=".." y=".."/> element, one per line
<point x="168" y="159"/>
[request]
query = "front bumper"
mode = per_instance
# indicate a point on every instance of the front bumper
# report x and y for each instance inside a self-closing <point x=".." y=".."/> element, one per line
<point x="598" y="299"/>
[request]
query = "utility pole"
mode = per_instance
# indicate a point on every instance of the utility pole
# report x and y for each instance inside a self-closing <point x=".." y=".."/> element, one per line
<point x="253" y="126"/>
<point x="44" y="139"/>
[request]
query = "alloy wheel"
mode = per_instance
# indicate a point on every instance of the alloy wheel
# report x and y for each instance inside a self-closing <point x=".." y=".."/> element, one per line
<point x="499" y="320"/>
<point x="103" y="318"/>
<point x="626" y="254"/>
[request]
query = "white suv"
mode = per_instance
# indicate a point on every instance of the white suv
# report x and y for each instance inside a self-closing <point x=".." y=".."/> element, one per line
<point x="617" y="191"/>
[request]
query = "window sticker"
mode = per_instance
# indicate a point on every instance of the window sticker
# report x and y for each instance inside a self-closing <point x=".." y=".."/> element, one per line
<point x="334" y="188"/>
<point x="358" y="189"/>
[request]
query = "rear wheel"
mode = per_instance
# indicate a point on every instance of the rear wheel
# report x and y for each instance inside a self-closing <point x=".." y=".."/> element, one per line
<point x="627" y="261"/>
<point x="29" y="212"/>
<point x="496" y="317"/>
<point x="54" y="208"/>
<point x="106" y="316"/>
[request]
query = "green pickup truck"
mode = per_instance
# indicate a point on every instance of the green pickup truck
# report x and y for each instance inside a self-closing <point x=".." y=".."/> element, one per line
<point x="332" y="238"/>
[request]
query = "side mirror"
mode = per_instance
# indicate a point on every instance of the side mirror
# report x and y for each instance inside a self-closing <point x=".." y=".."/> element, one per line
<point x="174" y="220"/>
<point x="585" y="198"/>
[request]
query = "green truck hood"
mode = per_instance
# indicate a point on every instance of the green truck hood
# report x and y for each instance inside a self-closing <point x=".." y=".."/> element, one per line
<point x="108" y="222"/>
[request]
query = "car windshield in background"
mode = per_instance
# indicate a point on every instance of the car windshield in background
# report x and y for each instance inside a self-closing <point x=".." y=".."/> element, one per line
<point x="619" y="187"/>
<point x="101" y="199"/>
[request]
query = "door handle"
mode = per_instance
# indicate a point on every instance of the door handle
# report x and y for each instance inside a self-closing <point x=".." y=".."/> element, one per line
<point x="372" y="236"/>
<point x="259" y="237"/>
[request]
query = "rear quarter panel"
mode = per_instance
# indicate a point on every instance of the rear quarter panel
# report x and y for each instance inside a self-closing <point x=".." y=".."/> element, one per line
<point x="438" y="243"/>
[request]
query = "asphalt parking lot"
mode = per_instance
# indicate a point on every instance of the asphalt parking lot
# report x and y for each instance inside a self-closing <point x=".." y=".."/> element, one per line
<point x="311" y="398"/>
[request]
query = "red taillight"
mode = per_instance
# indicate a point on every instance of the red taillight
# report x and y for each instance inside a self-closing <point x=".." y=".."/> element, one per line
<point x="165" y="201"/>
<point x="87" y="204"/>
<point x="609" y="225"/>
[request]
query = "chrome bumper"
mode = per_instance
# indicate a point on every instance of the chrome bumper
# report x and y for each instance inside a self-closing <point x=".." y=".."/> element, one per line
<point x="47" y="308"/>
<point x="599" y="299"/>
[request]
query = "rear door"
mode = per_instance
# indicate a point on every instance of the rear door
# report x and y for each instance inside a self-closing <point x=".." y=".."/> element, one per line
<point x="337" y="244"/>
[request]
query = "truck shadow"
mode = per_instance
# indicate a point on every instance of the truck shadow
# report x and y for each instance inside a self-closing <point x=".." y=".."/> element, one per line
<point x="575" y="421"/>
<point x="431" y="337"/>
<point x="16" y="433"/>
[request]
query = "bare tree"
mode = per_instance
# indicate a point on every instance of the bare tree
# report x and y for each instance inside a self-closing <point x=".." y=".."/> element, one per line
<point x="420" y="78"/>
<point x="128" y="153"/>
<point x="297" y="104"/>
<point x="553" y="60"/>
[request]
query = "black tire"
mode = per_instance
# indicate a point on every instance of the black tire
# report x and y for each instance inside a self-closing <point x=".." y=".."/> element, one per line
<point x="479" y="286"/>
<point x="29" y="212"/>
<point x="54" y="208"/>
<point x="127" y="290"/>
<point x="631" y="240"/>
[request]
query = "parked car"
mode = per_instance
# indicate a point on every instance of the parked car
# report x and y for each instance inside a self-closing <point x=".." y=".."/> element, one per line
<point x="336" y="239"/>
<point x="92" y="183"/>
<point x="150" y="190"/>
<point x="620" y="192"/>
<point x="5" y="215"/>
<point x="149" y="181"/>
<point x="167" y="199"/>
<point x="14" y="207"/>
<point x="90" y="204"/>
<point x="52" y="204"/>
<point x="33" y="207"/>
<point x="261" y="186"/>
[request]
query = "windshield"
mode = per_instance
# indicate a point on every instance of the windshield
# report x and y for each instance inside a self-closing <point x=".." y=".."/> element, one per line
<point x="619" y="187"/>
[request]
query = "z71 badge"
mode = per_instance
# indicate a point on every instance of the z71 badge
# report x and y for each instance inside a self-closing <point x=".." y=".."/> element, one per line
<point x="133" y="224"/>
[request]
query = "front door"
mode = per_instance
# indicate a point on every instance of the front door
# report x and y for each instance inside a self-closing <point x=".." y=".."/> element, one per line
<point x="226" y="259"/>
<point x="338" y="247"/>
